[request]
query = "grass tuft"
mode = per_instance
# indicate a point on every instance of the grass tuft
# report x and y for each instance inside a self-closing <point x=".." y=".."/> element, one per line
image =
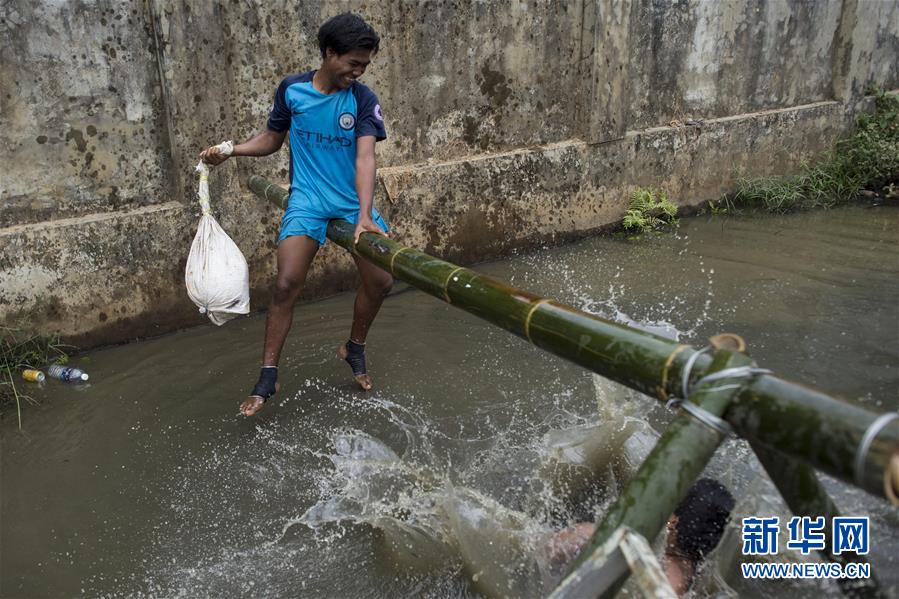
<point x="867" y="160"/>
<point x="20" y="350"/>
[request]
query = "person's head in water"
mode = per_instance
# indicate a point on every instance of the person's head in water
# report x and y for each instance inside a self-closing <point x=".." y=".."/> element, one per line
<point x="695" y="530"/>
<point x="347" y="44"/>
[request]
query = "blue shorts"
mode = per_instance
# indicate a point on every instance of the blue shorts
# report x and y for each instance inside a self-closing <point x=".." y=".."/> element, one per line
<point x="315" y="226"/>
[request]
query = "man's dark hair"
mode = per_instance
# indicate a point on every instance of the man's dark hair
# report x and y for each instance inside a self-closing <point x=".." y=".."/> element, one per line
<point x="701" y="517"/>
<point x="347" y="32"/>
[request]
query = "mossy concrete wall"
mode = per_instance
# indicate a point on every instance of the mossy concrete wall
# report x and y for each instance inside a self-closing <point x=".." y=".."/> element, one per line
<point x="511" y="123"/>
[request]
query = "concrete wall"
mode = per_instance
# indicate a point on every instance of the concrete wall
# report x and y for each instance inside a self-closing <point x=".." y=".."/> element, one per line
<point x="510" y="123"/>
<point x="83" y="119"/>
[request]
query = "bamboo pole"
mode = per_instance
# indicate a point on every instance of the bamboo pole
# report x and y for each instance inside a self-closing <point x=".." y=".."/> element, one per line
<point x="821" y="431"/>
<point x="624" y="551"/>
<point x="679" y="456"/>
<point x="642" y="361"/>
<point x="804" y="495"/>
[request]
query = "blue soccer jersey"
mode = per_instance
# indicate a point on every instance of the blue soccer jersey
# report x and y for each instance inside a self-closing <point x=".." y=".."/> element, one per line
<point x="323" y="131"/>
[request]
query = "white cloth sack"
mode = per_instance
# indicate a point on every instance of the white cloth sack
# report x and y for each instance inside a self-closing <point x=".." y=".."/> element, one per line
<point x="216" y="276"/>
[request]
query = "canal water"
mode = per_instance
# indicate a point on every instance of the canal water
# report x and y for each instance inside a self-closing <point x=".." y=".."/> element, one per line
<point x="449" y="478"/>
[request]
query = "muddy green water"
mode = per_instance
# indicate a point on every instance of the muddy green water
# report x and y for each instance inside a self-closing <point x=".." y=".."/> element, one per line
<point x="148" y="483"/>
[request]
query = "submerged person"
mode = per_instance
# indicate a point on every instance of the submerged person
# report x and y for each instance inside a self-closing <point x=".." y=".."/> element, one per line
<point x="694" y="531"/>
<point x="427" y="522"/>
<point x="334" y="122"/>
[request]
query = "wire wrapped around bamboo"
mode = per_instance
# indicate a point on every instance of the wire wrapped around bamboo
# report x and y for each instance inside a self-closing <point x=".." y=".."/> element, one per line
<point x="824" y="432"/>
<point x="821" y="431"/>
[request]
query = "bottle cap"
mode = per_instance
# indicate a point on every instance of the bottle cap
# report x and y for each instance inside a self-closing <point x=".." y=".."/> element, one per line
<point x="84" y="376"/>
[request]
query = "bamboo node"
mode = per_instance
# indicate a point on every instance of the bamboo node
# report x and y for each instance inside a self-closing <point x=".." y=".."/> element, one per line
<point x="527" y="320"/>
<point x="446" y="284"/>
<point x="663" y="389"/>
<point x="728" y="341"/>
<point x="393" y="258"/>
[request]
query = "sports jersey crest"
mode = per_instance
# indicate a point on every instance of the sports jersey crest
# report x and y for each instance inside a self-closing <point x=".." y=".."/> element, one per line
<point x="346" y="121"/>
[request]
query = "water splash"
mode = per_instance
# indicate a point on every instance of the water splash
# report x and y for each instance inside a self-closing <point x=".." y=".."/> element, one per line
<point x="610" y="292"/>
<point x="426" y="518"/>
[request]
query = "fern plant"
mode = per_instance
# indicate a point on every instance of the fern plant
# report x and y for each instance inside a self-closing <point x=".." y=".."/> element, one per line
<point x="649" y="210"/>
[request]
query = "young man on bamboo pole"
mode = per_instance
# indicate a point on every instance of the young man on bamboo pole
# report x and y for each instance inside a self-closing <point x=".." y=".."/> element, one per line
<point x="333" y="122"/>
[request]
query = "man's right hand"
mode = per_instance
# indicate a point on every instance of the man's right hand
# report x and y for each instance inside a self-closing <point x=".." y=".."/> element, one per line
<point x="213" y="156"/>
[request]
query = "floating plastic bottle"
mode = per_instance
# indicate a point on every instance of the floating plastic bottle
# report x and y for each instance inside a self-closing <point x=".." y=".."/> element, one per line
<point x="35" y="376"/>
<point x="67" y="373"/>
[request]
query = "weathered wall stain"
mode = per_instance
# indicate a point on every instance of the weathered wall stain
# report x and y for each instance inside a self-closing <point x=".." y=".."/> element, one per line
<point x="511" y="123"/>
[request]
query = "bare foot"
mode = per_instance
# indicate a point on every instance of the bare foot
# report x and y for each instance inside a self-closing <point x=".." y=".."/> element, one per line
<point x="363" y="380"/>
<point x="254" y="403"/>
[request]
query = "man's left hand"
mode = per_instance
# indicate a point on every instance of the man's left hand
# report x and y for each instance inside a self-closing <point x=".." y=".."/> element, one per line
<point x="366" y="225"/>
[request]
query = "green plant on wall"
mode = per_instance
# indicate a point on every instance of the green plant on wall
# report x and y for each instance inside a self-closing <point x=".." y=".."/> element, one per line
<point x="649" y="210"/>
<point x="868" y="159"/>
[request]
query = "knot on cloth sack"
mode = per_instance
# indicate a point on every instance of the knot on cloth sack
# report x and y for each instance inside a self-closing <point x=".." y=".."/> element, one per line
<point x="216" y="275"/>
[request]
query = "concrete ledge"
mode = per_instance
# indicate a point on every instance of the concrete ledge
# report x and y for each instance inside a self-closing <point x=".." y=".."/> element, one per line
<point x="110" y="277"/>
<point x="98" y="278"/>
<point x="475" y="209"/>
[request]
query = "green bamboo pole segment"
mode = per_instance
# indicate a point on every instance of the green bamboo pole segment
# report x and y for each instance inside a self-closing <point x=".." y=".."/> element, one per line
<point x="269" y="191"/>
<point x="672" y="466"/>
<point x="769" y="410"/>
<point x="823" y="432"/>
<point x="640" y="360"/>
<point x="805" y="496"/>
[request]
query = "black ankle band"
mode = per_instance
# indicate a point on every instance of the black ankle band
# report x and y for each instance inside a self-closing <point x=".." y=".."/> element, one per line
<point x="355" y="357"/>
<point x="265" y="388"/>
